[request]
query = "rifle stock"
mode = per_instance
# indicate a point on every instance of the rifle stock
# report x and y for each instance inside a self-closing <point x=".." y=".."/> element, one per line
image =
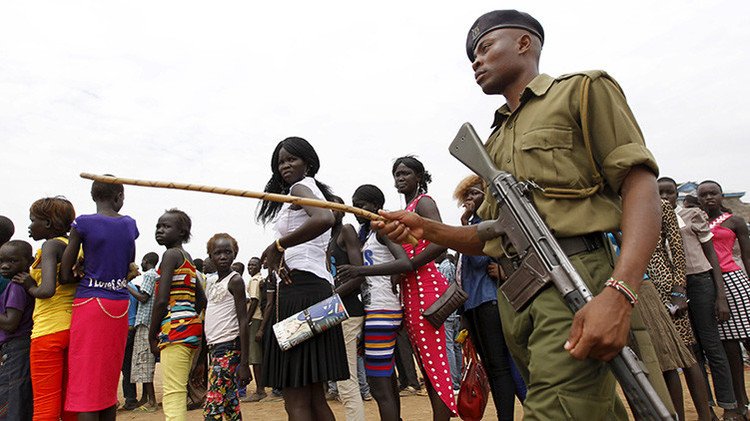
<point x="542" y="260"/>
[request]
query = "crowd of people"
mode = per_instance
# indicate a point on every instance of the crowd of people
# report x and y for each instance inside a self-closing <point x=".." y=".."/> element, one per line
<point x="78" y="314"/>
<point x="200" y="317"/>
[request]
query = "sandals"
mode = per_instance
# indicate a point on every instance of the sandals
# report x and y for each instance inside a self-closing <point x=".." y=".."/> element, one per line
<point x="147" y="408"/>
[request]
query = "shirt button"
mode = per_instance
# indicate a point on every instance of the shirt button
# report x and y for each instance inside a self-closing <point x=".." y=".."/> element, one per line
<point x="510" y="125"/>
<point x="508" y="161"/>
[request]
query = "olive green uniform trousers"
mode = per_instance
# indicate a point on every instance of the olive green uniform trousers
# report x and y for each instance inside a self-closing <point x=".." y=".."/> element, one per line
<point x="559" y="386"/>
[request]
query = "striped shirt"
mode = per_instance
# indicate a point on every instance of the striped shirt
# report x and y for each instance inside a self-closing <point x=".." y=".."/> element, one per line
<point x="182" y="324"/>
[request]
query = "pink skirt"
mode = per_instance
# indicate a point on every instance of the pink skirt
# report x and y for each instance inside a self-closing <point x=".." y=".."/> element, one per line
<point x="98" y="335"/>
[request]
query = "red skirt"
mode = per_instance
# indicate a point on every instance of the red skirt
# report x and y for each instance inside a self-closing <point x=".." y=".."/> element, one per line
<point x="98" y="335"/>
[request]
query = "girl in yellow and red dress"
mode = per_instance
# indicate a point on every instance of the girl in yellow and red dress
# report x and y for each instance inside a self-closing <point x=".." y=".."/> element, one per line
<point x="421" y="288"/>
<point x="176" y="328"/>
<point x="50" y="221"/>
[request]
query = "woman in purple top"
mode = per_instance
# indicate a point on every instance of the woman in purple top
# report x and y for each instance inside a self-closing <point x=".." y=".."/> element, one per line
<point x="99" y="323"/>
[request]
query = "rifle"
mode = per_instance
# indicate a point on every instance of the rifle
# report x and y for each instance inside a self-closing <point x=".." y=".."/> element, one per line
<point x="541" y="260"/>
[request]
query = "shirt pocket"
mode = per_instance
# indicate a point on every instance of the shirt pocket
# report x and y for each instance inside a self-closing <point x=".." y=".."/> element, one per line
<point x="548" y="157"/>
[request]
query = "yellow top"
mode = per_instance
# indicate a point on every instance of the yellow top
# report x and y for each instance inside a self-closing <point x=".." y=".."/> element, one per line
<point x="543" y="141"/>
<point x="51" y="315"/>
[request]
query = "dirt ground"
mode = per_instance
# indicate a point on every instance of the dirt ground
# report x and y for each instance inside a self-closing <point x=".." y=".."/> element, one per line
<point x="413" y="408"/>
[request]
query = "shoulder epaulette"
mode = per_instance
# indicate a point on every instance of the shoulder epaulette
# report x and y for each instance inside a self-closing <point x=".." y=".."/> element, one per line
<point x="591" y="74"/>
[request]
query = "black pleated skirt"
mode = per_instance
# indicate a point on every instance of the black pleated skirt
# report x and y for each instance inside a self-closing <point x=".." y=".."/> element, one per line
<point x="319" y="359"/>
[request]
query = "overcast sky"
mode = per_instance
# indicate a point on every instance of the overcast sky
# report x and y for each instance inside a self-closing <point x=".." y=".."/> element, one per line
<point x="202" y="93"/>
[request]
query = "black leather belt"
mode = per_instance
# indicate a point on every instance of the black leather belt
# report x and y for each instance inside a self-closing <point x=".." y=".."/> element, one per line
<point x="581" y="243"/>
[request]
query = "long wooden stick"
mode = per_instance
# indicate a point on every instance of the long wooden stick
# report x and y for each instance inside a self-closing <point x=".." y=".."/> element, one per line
<point x="273" y="197"/>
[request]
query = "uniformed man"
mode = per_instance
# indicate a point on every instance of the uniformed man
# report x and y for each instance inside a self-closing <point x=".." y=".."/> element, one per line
<point x="577" y="139"/>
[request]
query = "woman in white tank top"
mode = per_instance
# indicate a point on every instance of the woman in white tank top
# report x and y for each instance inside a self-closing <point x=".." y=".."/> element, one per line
<point x="303" y="233"/>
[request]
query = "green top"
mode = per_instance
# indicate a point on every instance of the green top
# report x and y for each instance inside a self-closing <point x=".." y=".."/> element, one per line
<point x="542" y="141"/>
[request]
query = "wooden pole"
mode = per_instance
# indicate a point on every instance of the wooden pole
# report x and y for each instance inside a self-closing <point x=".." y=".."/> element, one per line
<point x="273" y="197"/>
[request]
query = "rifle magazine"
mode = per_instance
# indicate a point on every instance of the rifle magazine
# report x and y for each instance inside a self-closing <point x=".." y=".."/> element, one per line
<point x="525" y="282"/>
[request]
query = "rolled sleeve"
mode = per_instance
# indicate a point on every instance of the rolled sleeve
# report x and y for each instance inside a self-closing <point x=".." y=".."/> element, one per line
<point x="618" y="163"/>
<point x="617" y="141"/>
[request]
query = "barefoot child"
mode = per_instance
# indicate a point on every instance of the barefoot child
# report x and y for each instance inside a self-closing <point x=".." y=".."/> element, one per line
<point x="176" y="328"/>
<point x="16" y="307"/>
<point x="50" y="221"/>
<point x="144" y="362"/>
<point x="99" y="321"/>
<point x="383" y="313"/>
<point x="226" y="332"/>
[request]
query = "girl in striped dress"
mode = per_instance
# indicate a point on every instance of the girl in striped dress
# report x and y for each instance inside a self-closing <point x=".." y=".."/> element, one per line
<point x="383" y="313"/>
<point x="728" y="228"/>
<point x="176" y="328"/>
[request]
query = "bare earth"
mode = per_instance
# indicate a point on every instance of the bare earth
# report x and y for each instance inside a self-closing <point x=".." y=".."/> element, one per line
<point x="413" y="408"/>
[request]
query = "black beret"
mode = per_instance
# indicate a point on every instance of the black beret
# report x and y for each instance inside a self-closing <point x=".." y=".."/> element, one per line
<point x="501" y="19"/>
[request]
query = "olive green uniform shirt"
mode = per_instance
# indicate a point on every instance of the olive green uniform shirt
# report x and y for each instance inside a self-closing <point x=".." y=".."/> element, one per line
<point x="542" y="141"/>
